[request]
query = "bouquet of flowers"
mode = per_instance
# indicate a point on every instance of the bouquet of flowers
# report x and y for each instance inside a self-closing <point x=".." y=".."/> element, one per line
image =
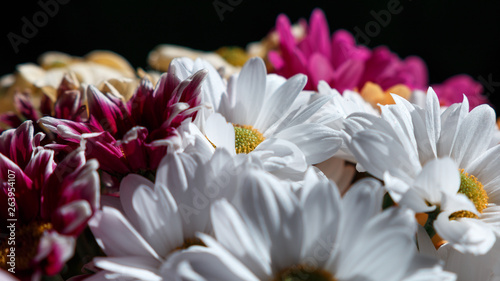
<point x="305" y="156"/>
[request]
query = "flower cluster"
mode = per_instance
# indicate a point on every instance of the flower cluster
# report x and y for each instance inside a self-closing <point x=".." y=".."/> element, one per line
<point x="321" y="160"/>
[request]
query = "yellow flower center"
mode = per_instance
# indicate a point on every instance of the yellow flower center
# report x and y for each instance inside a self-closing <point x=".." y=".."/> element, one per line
<point x="474" y="190"/>
<point x="374" y="94"/>
<point x="25" y="244"/>
<point x="246" y="138"/>
<point x="304" y="273"/>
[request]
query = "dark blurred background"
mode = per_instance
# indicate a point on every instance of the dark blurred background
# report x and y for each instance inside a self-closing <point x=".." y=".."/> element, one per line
<point x="453" y="37"/>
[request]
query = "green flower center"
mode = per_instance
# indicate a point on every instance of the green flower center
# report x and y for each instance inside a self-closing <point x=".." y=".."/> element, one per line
<point x="246" y="138"/>
<point x="474" y="190"/>
<point x="304" y="273"/>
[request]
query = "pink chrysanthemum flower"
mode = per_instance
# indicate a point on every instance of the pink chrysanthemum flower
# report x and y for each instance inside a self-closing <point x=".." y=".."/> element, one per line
<point x="133" y="136"/>
<point x="339" y="61"/>
<point x="46" y="205"/>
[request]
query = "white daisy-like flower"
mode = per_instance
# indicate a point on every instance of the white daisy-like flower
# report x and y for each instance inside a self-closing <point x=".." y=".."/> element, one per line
<point x="274" y="234"/>
<point x="397" y="146"/>
<point x="258" y="113"/>
<point x="150" y="221"/>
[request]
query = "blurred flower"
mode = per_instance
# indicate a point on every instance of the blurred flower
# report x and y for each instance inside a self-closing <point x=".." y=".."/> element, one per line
<point x="68" y="105"/>
<point x="398" y="146"/>
<point x="161" y="57"/>
<point x="452" y="90"/>
<point x="53" y="202"/>
<point x="234" y="55"/>
<point x="342" y="63"/>
<point x="44" y="79"/>
<point x="274" y="234"/>
<point x="133" y="136"/>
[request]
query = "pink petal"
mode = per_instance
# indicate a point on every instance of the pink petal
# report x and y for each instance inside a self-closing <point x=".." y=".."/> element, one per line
<point x="27" y="198"/>
<point x="348" y="75"/>
<point x="104" y="110"/>
<point x="40" y="167"/>
<point x="132" y="146"/>
<point x="320" y="69"/>
<point x="18" y="144"/>
<point x="378" y="65"/>
<point x="318" y="36"/>
<point x="276" y="60"/>
<point x="417" y="68"/>
<point x="452" y="91"/>
<point x="54" y="251"/>
<point x="10" y="119"/>
<point x="71" y="219"/>
<point x="344" y="48"/>
<point x="67" y="105"/>
<point x="141" y="104"/>
<point x="295" y="60"/>
<point x="24" y="106"/>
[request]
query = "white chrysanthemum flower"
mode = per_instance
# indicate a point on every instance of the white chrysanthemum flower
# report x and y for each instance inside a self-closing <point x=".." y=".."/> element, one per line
<point x="258" y="113"/>
<point x="274" y="234"/>
<point x="150" y="221"/>
<point x="397" y="146"/>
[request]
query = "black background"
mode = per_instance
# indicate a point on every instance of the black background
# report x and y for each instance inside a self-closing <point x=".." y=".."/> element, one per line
<point x="453" y="37"/>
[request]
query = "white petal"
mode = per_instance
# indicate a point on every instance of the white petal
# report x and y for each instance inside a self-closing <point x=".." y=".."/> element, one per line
<point x="200" y="264"/>
<point x="220" y="132"/>
<point x="451" y="119"/>
<point x="424" y="242"/>
<point x="415" y="201"/>
<point x="250" y="90"/>
<point x="378" y="153"/>
<point x="485" y="167"/>
<point x="474" y="135"/>
<point x="277" y="105"/>
<point x="280" y="154"/>
<point x="142" y="268"/>
<point x="117" y="237"/>
<point x="465" y="235"/>
<point x="317" y="142"/>
<point x="433" y="118"/>
<point x="438" y="175"/>
<point x="384" y="249"/>
<point x="233" y="234"/>
<point x="396" y="187"/>
<point x="321" y="205"/>
<point x="271" y="213"/>
<point x="154" y="214"/>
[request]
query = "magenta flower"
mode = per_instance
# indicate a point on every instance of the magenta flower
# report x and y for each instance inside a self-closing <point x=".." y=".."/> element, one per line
<point x="131" y="137"/>
<point x="452" y="90"/>
<point x="339" y="61"/>
<point x="47" y="205"/>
